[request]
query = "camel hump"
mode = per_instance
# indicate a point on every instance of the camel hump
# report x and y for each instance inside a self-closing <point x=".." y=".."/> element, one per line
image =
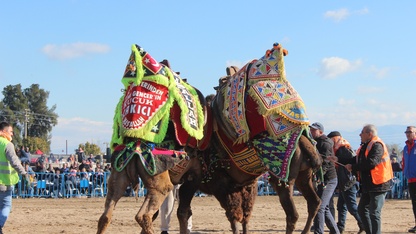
<point x="231" y="70"/>
<point x="315" y="159"/>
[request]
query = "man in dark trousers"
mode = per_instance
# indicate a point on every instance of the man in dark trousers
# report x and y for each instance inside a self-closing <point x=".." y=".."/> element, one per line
<point x="375" y="173"/>
<point x="327" y="188"/>
<point x="409" y="167"/>
<point x="347" y="185"/>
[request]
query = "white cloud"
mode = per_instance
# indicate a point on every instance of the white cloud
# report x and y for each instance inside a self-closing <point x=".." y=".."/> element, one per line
<point x="363" y="11"/>
<point x="337" y="15"/>
<point x="70" y="132"/>
<point x="380" y="73"/>
<point x="369" y="90"/>
<point x="73" y="50"/>
<point x="342" y="14"/>
<point x="350" y="119"/>
<point x="236" y="63"/>
<point x="335" y="66"/>
<point x="346" y="102"/>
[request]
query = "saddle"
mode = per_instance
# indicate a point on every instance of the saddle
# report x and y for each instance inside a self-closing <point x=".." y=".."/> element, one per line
<point x="259" y="114"/>
<point x="156" y="99"/>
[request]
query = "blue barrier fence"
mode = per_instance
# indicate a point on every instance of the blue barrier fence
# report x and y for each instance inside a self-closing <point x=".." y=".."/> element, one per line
<point x="399" y="187"/>
<point x="66" y="185"/>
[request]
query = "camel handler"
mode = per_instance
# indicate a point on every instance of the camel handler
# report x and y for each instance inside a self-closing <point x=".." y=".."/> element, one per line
<point x="10" y="166"/>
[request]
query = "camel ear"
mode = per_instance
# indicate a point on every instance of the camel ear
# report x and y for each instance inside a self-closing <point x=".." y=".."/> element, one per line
<point x="285" y="52"/>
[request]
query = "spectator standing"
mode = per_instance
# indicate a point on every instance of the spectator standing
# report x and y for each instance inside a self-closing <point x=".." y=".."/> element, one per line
<point x="396" y="165"/>
<point x="80" y="155"/>
<point x="57" y="184"/>
<point x="40" y="169"/>
<point x="10" y="166"/>
<point x="393" y="154"/>
<point x="49" y="173"/>
<point x="347" y="198"/>
<point x="166" y="210"/>
<point x="409" y="167"/>
<point x="327" y="188"/>
<point x="375" y="173"/>
<point x="24" y="155"/>
<point x="98" y="176"/>
<point x="29" y="181"/>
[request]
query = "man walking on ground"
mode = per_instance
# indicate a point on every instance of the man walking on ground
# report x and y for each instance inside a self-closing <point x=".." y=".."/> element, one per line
<point x="10" y="166"/>
<point x="374" y="170"/>
<point x="409" y="167"/>
<point x="347" y="186"/>
<point x="327" y="188"/>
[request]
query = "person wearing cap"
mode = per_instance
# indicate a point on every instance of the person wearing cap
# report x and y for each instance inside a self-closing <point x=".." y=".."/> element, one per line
<point x="375" y="174"/>
<point x="10" y="166"/>
<point x="348" y="187"/>
<point x="409" y="167"/>
<point x="327" y="188"/>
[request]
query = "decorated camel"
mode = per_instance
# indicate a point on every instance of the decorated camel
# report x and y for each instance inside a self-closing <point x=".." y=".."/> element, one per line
<point x="158" y="131"/>
<point x="260" y="125"/>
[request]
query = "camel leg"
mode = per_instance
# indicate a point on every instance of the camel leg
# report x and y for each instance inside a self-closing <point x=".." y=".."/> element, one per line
<point x="184" y="212"/>
<point x="285" y="193"/>
<point x="116" y="189"/>
<point x="233" y="210"/>
<point x="305" y="186"/>
<point x="158" y="188"/>
<point x="249" y="196"/>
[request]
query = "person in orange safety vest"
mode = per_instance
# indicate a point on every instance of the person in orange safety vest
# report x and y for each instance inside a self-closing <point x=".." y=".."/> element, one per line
<point x="373" y="167"/>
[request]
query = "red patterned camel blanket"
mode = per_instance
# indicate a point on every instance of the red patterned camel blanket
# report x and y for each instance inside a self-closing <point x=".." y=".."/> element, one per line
<point x="265" y="111"/>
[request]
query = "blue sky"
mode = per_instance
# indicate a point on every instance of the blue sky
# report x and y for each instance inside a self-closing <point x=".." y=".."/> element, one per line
<point x="351" y="61"/>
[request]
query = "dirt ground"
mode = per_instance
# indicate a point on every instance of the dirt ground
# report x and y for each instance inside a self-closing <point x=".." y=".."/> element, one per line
<point x="80" y="215"/>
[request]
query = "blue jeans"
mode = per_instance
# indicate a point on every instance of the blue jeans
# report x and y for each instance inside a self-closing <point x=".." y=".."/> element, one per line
<point x="324" y="215"/>
<point x="5" y="205"/>
<point x="347" y="201"/>
<point x="369" y="210"/>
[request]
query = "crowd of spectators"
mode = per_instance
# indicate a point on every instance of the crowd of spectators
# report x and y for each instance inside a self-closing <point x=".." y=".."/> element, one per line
<point x="58" y="173"/>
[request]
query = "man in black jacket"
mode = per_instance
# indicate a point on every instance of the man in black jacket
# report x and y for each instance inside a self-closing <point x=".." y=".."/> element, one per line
<point x="347" y="185"/>
<point x="375" y="173"/>
<point x="325" y="190"/>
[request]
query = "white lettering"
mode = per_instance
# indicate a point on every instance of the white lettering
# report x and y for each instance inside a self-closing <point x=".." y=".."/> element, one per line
<point x="132" y="109"/>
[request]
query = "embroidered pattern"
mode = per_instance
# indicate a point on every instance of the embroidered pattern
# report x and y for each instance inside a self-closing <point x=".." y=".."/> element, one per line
<point x="141" y="103"/>
<point x="151" y="89"/>
<point x="277" y="153"/>
<point x="278" y="125"/>
<point x="234" y="109"/>
<point x="246" y="160"/>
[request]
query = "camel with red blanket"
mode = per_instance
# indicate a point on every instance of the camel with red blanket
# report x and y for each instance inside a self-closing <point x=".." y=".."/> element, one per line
<point x="260" y="126"/>
<point x="158" y="131"/>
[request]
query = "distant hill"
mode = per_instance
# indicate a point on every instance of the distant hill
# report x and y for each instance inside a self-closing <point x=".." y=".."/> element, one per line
<point x="390" y="134"/>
